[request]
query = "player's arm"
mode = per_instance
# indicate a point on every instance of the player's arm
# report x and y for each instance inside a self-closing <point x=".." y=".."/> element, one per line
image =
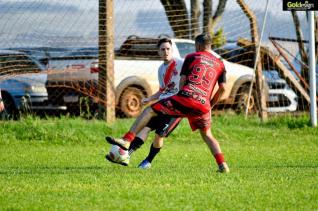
<point x="185" y="71"/>
<point x="217" y="95"/>
<point x="182" y="81"/>
<point x="152" y="97"/>
<point x="220" y="91"/>
<point x="158" y="93"/>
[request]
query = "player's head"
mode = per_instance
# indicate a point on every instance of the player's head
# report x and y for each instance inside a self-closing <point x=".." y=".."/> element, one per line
<point x="165" y="49"/>
<point x="203" y="42"/>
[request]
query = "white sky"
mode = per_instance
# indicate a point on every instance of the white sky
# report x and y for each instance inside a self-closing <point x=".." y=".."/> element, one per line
<point x="25" y="20"/>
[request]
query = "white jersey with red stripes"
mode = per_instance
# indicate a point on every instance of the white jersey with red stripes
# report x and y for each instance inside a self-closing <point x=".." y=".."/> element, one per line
<point x="169" y="78"/>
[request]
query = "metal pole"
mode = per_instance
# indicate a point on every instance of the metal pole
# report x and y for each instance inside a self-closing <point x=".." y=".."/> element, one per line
<point x="312" y="70"/>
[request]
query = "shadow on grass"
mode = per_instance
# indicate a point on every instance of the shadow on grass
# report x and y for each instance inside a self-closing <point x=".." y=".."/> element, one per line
<point x="277" y="166"/>
<point x="52" y="170"/>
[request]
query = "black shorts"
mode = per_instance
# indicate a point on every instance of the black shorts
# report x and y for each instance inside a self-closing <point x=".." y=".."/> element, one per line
<point x="163" y="124"/>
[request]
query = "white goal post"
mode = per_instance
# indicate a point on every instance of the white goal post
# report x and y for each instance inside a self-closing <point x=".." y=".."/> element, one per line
<point x="312" y="70"/>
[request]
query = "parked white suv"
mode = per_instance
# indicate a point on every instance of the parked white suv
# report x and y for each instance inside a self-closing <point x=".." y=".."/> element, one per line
<point x="135" y="73"/>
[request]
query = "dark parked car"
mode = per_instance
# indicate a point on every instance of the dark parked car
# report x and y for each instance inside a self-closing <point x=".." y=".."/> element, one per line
<point x="22" y="82"/>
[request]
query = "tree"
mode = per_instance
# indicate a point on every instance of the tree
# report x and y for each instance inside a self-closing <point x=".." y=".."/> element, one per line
<point x="207" y="16"/>
<point x="177" y="15"/>
<point x="218" y="13"/>
<point x="209" y="21"/>
<point x="195" y="14"/>
<point x="301" y="45"/>
<point x="259" y="76"/>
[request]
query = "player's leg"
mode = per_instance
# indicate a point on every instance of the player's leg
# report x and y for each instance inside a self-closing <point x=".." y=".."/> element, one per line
<point x="139" y="140"/>
<point x="137" y="126"/>
<point x="165" y="125"/>
<point x="168" y="106"/>
<point x="136" y="143"/>
<point x="203" y="123"/>
<point x="215" y="149"/>
<point x="154" y="150"/>
<point x="143" y="135"/>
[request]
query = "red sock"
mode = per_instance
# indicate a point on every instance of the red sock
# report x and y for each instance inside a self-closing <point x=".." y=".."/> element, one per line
<point x="129" y="136"/>
<point x="219" y="158"/>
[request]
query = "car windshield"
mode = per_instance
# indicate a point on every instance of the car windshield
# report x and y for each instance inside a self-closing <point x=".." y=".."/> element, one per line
<point x="185" y="48"/>
<point x="83" y="52"/>
<point x="236" y="54"/>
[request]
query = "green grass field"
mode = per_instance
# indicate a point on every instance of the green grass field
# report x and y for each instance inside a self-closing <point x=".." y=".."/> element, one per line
<point x="59" y="164"/>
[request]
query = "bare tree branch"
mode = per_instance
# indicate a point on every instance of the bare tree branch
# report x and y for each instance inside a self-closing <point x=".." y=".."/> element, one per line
<point x="218" y="13"/>
<point x="259" y="76"/>
<point x="195" y="14"/>
<point x="177" y="15"/>
<point x="301" y="45"/>
<point x="207" y="16"/>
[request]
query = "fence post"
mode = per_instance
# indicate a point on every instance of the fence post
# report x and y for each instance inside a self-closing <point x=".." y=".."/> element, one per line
<point x="106" y="88"/>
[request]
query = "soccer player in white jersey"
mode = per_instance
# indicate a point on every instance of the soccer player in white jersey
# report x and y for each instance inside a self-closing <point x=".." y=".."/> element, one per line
<point x="169" y="77"/>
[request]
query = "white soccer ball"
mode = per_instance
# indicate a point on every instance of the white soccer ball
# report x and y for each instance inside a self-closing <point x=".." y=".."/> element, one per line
<point x="118" y="154"/>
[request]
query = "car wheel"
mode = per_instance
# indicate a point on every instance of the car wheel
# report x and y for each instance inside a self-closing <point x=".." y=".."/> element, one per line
<point x="10" y="111"/>
<point x="130" y="102"/>
<point x="242" y="99"/>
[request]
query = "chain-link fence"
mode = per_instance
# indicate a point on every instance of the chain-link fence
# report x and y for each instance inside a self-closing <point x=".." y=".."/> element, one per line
<point x="49" y="55"/>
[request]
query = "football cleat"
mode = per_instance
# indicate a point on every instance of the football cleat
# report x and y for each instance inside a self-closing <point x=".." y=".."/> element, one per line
<point x="119" y="142"/>
<point x="124" y="162"/>
<point x="223" y="168"/>
<point x="145" y="164"/>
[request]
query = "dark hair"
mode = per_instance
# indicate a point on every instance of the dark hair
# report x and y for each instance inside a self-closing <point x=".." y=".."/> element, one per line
<point x="204" y="39"/>
<point x="163" y="40"/>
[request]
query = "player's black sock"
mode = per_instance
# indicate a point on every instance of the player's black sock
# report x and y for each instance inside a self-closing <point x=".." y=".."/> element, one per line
<point x="135" y="144"/>
<point x="153" y="152"/>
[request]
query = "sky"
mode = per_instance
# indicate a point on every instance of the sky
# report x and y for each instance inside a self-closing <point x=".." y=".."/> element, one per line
<point x="75" y="23"/>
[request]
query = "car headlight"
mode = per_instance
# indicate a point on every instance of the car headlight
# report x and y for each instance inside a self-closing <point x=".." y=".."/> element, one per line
<point x="37" y="89"/>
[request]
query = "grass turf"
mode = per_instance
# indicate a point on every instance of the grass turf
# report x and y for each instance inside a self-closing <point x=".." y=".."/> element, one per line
<point x="59" y="164"/>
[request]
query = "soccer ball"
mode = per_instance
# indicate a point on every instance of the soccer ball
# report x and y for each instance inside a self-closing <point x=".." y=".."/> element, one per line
<point x="118" y="154"/>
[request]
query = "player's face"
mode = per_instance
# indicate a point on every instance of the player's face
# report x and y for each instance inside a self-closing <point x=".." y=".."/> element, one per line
<point x="165" y="52"/>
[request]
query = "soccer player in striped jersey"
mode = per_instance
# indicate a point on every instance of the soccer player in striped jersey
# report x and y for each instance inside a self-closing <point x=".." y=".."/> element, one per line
<point x="169" y="78"/>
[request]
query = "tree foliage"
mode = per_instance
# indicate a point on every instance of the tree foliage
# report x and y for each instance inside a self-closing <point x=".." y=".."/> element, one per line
<point x="177" y="15"/>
